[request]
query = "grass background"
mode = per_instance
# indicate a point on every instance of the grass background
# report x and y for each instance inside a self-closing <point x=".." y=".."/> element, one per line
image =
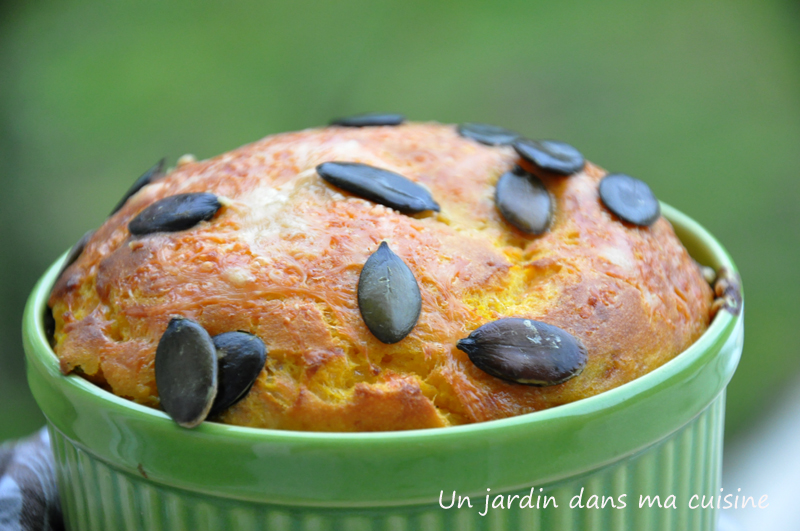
<point x="699" y="99"/>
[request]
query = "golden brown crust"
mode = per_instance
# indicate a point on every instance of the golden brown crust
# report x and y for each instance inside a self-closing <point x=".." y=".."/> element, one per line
<point x="282" y="257"/>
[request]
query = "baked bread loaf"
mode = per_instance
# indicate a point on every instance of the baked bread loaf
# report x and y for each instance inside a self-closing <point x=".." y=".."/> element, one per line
<point x="280" y="258"/>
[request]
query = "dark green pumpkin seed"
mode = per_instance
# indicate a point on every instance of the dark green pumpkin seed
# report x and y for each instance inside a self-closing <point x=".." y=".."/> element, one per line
<point x="370" y="119"/>
<point x="49" y="323"/>
<point x="490" y="135"/>
<point x="153" y="174"/>
<point x="378" y="185"/>
<point x="75" y="252"/>
<point x="550" y="155"/>
<point x="630" y="199"/>
<point x="186" y="372"/>
<point x="175" y="213"/>
<point x="523" y="201"/>
<point x="241" y="358"/>
<point x="388" y="296"/>
<point x="525" y="351"/>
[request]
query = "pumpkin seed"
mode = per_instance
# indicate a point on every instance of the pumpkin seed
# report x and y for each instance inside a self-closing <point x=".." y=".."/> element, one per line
<point x="490" y="135"/>
<point x="241" y="357"/>
<point x="630" y="199"/>
<point x="153" y="174"/>
<point x="525" y="351"/>
<point x="175" y="213"/>
<point x="186" y="372"/>
<point x="388" y="296"/>
<point x="370" y="119"/>
<point x="49" y="323"/>
<point x="523" y="201"/>
<point x="378" y="185"/>
<point x="550" y="155"/>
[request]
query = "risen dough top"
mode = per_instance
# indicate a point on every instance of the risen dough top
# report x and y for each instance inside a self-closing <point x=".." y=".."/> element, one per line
<point x="281" y="260"/>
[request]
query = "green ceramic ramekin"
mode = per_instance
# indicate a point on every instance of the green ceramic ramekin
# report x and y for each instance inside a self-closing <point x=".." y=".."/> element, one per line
<point x="125" y="466"/>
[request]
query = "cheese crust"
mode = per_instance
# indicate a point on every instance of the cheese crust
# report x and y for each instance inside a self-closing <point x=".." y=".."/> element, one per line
<point x="281" y="260"/>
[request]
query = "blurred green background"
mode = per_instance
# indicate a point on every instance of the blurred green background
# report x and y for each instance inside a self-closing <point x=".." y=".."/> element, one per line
<point x="699" y="99"/>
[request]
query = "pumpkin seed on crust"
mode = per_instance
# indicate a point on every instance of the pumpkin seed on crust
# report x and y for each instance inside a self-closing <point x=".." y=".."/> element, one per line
<point x="524" y="201"/>
<point x="629" y="199"/>
<point x="378" y="185"/>
<point x="370" y="119"/>
<point x="388" y="296"/>
<point x="550" y="155"/>
<point x="491" y="135"/>
<point x="241" y="357"/>
<point x="175" y="213"/>
<point x="186" y="372"/>
<point x="525" y="351"/>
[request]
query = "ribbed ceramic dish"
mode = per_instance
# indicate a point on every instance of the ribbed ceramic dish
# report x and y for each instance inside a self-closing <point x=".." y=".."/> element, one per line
<point x="122" y="466"/>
